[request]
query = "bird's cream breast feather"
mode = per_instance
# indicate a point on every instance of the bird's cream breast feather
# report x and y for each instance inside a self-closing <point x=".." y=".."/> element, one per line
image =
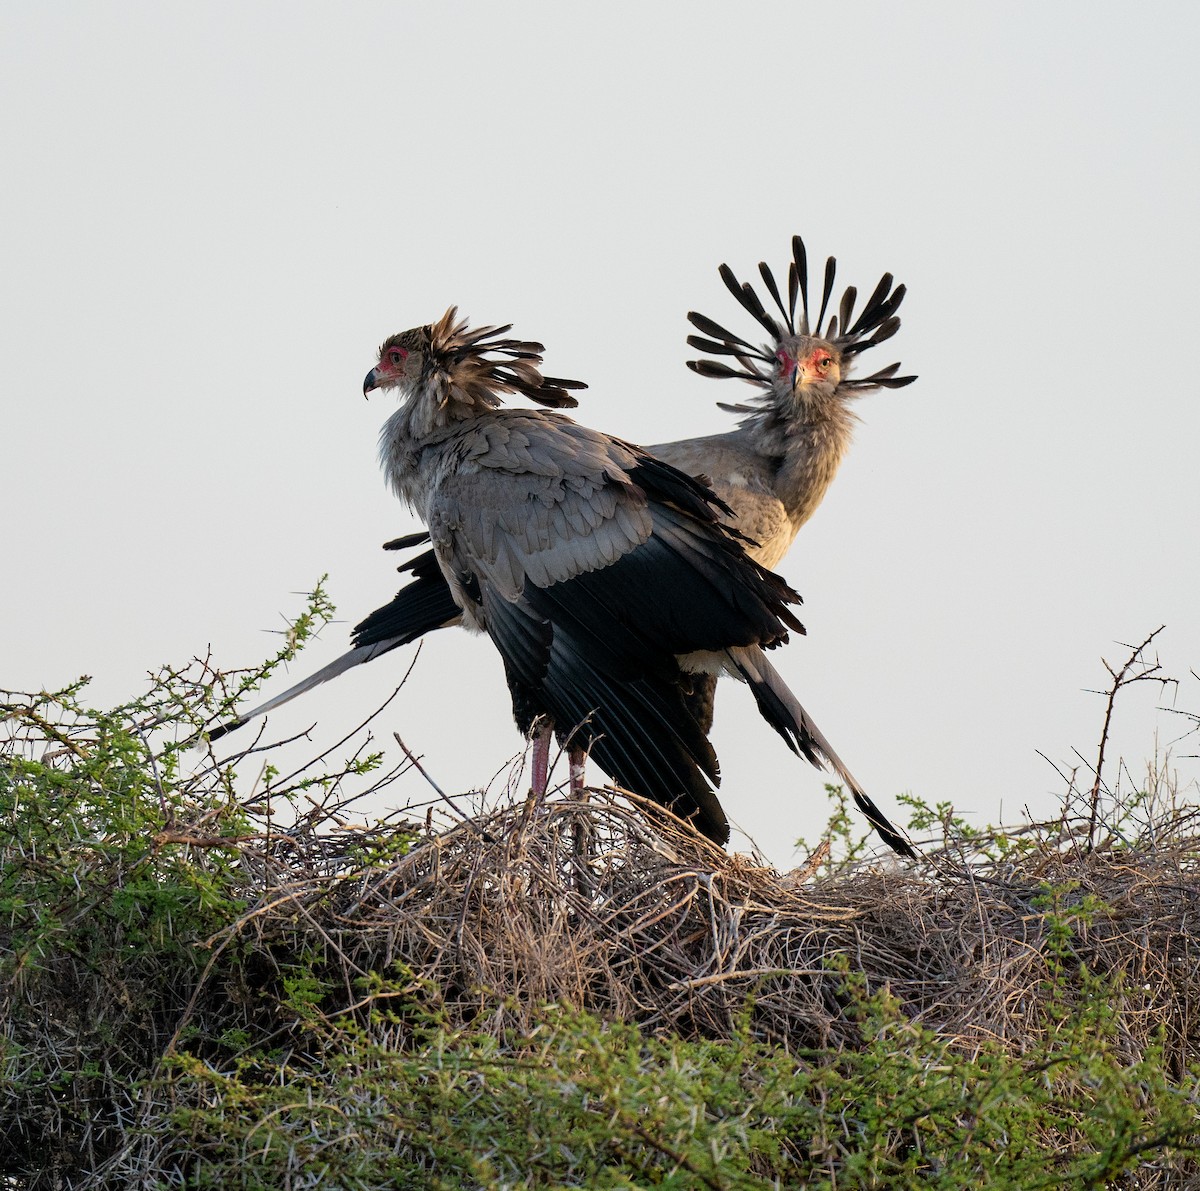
<point x="744" y="480"/>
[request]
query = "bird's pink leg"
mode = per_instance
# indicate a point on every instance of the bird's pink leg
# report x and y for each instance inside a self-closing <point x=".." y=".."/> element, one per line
<point x="578" y="760"/>
<point x="541" y="759"/>
<point x="581" y="828"/>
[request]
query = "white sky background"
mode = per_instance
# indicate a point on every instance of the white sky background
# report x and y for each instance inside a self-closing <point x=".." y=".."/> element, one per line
<point x="210" y="217"/>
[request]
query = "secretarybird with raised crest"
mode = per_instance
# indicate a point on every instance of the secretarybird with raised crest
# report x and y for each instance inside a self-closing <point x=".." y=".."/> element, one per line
<point x="773" y="469"/>
<point x="754" y="467"/>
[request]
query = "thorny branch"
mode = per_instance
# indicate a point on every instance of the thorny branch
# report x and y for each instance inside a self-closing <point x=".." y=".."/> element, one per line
<point x="1137" y="668"/>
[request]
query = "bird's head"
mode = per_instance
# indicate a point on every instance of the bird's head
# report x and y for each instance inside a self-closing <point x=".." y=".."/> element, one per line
<point x="401" y="361"/>
<point x="455" y="370"/>
<point x="808" y="361"/>
<point x="811" y="369"/>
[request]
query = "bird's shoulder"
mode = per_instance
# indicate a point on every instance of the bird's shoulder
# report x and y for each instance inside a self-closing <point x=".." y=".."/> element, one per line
<point x="536" y="497"/>
<point x="745" y="479"/>
<point x="728" y="460"/>
<point x="536" y="443"/>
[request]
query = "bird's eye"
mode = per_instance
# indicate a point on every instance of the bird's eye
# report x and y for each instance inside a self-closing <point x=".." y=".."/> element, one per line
<point x="397" y="356"/>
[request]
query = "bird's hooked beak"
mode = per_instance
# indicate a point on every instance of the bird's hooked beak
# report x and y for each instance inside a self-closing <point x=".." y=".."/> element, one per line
<point x="806" y="372"/>
<point x="388" y="373"/>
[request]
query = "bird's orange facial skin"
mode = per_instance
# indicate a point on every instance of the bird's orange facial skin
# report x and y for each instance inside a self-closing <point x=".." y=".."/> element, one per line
<point x="819" y="365"/>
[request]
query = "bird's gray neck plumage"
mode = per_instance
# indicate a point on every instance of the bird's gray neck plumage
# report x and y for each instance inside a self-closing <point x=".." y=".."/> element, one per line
<point x="408" y="446"/>
<point x="808" y="446"/>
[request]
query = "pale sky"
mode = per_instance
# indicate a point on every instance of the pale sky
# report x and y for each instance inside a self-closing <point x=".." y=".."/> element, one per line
<point x="211" y="215"/>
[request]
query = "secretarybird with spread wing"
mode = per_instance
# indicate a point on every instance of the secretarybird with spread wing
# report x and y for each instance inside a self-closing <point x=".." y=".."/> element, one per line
<point x="772" y="470"/>
<point x="601" y="574"/>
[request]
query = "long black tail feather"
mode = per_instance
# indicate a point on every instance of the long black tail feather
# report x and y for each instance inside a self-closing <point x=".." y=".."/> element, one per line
<point x="782" y="710"/>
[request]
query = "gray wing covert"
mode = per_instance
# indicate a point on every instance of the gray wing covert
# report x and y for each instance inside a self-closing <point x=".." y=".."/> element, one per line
<point x="536" y="499"/>
<point x="744" y="480"/>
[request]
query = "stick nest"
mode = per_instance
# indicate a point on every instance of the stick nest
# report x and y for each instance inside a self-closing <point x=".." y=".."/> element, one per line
<point x="609" y="906"/>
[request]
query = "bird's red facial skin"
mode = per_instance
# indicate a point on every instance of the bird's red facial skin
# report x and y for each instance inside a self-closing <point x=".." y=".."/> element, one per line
<point x="787" y="364"/>
<point x="391" y="364"/>
<point x="817" y="366"/>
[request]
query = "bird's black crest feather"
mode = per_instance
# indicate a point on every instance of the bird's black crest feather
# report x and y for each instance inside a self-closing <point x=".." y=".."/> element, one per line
<point x="876" y="323"/>
<point x="469" y="357"/>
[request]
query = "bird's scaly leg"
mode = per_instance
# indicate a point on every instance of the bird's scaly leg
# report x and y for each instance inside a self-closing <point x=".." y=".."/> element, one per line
<point x="541" y="758"/>
<point x="578" y="760"/>
<point x="581" y="830"/>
